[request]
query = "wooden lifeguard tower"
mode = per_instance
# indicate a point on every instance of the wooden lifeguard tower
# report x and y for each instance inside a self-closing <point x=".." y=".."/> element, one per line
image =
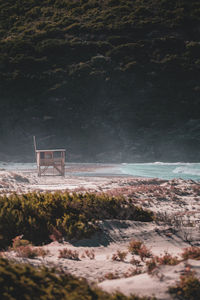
<point x="54" y="159"/>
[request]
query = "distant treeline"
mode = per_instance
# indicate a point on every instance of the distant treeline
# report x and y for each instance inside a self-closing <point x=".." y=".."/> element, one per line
<point x="110" y="71"/>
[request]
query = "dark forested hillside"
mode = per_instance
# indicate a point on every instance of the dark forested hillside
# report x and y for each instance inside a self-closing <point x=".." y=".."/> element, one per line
<point x="110" y="80"/>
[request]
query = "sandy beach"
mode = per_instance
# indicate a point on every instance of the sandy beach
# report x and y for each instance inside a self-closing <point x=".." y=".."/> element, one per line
<point x="175" y="203"/>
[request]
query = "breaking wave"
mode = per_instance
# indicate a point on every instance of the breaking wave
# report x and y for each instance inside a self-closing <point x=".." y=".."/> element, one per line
<point x="163" y="170"/>
<point x="187" y="170"/>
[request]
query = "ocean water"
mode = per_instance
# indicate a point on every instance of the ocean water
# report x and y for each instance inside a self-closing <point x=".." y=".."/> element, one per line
<point x="163" y="170"/>
<point x="150" y="170"/>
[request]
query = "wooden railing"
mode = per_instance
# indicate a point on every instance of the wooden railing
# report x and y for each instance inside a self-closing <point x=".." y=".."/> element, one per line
<point x="51" y="161"/>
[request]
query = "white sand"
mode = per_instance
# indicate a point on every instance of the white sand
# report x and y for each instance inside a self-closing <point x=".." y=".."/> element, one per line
<point x="176" y="201"/>
<point x="151" y="285"/>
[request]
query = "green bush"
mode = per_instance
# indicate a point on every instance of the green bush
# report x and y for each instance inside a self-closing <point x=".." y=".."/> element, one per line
<point x="187" y="289"/>
<point x="74" y="216"/>
<point x="22" y="282"/>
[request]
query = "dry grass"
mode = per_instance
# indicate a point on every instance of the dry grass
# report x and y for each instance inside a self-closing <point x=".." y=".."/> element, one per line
<point x="42" y="252"/>
<point x="134" y="246"/>
<point x="119" y="256"/>
<point x="151" y="265"/>
<point x="135" y="262"/>
<point x="167" y="259"/>
<point x="18" y="242"/>
<point x="30" y="251"/>
<point x="144" y="252"/>
<point x="89" y="253"/>
<point x="132" y="272"/>
<point x="196" y="189"/>
<point x="111" y="275"/>
<point x="115" y="275"/>
<point x="191" y="253"/>
<point x="26" y="252"/>
<point x="138" y="248"/>
<point x="69" y="254"/>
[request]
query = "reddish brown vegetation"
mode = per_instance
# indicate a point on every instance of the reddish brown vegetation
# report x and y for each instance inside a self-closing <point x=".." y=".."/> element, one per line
<point x="119" y="256"/>
<point x="26" y="252"/>
<point x="191" y="253"/>
<point x="196" y="189"/>
<point x="69" y="254"/>
<point x="110" y="276"/>
<point x="134" y="246"/>
<point x="151" y="265"/>
<point x="24" y="248"/>
<point x="144" y="252"/>
<point x="115" y="275"/>
<point x="18" y="241"/>
<point x="135" y="262"/>
<point x="89" y="253"/>
<point x="132" y="272"/>
<point x="167" y="259"/>
<point x="148" y="191"/>
<point x="56" y="235"/>
<point x="138" y="248"/>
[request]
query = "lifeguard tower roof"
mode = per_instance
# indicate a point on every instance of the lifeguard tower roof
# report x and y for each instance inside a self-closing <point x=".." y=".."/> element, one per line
<point x="51" y="150"/>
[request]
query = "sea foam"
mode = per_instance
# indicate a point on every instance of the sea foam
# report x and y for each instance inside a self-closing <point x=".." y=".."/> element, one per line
<point x="187" y="170"/>
<point x="163" y="170"/>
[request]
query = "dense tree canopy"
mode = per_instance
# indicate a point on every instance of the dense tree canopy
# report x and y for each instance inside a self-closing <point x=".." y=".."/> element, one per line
<point x="113" y="74"/>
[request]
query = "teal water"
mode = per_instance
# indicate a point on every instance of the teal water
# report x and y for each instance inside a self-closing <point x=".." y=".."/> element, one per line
<point x="151" y="170"/>
<point x="163" y="170"/>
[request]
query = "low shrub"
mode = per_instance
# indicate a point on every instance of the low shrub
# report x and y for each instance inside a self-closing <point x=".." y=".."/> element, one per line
<point x="134" y="261"/>
<point x="26" y="252"/>
<point x="135" y="246"/>
<point x="144" y="252"/>
<point x="69" y="254"/>
<point x="132" y="272"/>
<point x="151" y="265"/>
<point x="167" y="259"/>
<point x="18" y="242"/>
<point x="90" y="253"/>
<point x="119" y="255"/>
<point x="191" y="253"/>
<point x="24" y="248"/>
<point x="188" y="288"/>
<point x="196" y="189"/>
<point x="115" y="275"/>
<point x="111" y="275"/>
<point x="138" y="248"/>
<point x="19" y="281"/>
<point x="52" y="216"/>
<point x="42" y="252"/>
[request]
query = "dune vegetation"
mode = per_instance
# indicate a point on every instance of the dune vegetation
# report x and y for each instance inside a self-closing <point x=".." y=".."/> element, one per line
<point x="26" y="282"/>
<point x="53" y="216"/>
